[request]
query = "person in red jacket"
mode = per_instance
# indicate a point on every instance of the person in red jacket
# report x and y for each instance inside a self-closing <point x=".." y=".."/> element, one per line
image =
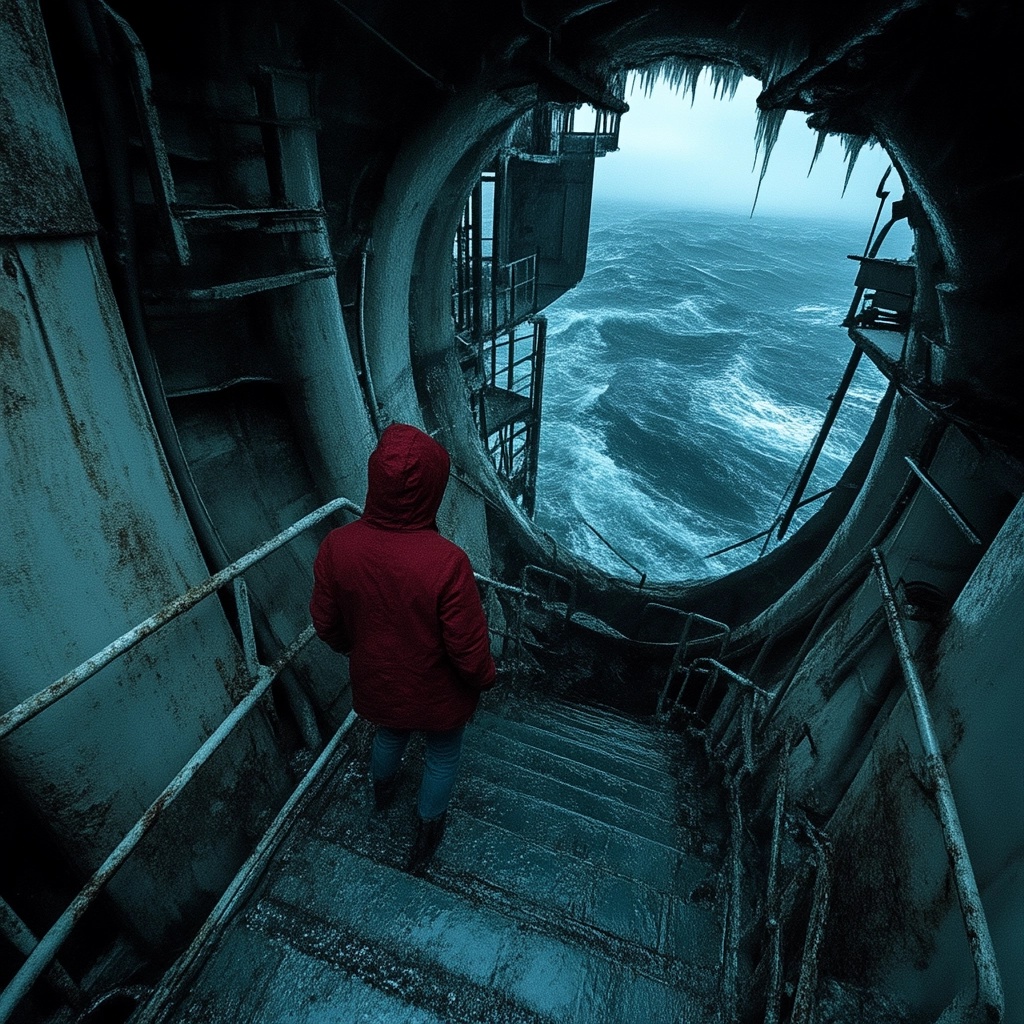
<point x="402" y="602"/>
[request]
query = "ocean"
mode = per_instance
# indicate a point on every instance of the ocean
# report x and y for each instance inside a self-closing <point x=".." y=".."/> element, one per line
<point x="686" y="377"/>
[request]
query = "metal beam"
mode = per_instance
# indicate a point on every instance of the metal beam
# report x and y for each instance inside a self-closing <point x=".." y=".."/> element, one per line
<point x="987" y="1004"/>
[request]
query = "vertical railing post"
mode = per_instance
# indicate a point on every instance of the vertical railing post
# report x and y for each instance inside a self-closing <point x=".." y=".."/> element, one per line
<point x="988" y="1003"/>
<point x="476" y="246"/>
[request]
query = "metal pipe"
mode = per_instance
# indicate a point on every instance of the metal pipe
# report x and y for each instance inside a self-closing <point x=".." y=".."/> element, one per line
<point x="857" y="571"/>
<point x="764" y="533"/>
<point x="438" y="84"/>
<point x="943" y="499"/>
<point x="741" y="680"/>
<point x="31" y="707"/>
<point x="819" y="441"/>
<point x="675" y="666"/>
<point x="807" y="984"/>
<point x="774" y="921"/>
<point x="51" y="942"/>
<point x="730" y="972"/>
<point x="505" y="587"/>
<point x="299" y="702"/>
<point x="476" y="264"/>
<point x="24" y="941"/>
<point x="371" y="395"/>
<point x="988" y="1004"/>
<point x="747" y="727"/>
<point x="608" y="544"/>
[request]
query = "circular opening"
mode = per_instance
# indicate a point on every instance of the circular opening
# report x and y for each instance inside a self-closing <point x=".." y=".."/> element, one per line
<point x="688" y="374"/>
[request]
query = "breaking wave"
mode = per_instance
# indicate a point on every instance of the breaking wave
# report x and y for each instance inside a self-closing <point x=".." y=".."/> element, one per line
<point x="686" y="377"/>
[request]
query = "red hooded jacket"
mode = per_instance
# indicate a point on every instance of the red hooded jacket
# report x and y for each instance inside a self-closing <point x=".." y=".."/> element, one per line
<point x="399" y="599"/>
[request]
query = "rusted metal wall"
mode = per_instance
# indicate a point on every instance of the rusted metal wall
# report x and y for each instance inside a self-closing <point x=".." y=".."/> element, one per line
<point x="550" y="216"/>
<point x="93" y="540"/>
<point x="897" y="920"/>
<point x="41" y="191"/>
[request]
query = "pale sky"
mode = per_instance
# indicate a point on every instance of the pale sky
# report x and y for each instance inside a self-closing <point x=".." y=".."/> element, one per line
<point x="702" y="155"/>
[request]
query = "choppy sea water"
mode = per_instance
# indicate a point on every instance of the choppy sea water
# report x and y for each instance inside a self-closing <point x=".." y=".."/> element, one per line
<point x="686" y="377"/>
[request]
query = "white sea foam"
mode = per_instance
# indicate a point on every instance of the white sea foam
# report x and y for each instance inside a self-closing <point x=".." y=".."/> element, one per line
<point x="768" y="426"/>
<point x="730" y="425"/>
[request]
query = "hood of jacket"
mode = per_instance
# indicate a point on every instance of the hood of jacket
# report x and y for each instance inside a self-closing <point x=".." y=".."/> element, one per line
<point x="406" y="478"/>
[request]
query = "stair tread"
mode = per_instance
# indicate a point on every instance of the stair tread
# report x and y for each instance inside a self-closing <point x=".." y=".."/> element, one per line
<point x="258" y="979"/>
<point x="577" y="888"/>
<point x="646" y="767"/>
<point x="562" y="893"/>
<point x="631" y="737"/>
<point x="481" y="856"/>
<point x="657" y="801"/>
<point x="470" y="945"/>
<point x="564" y="831"/>
<point x="576" y="798"/>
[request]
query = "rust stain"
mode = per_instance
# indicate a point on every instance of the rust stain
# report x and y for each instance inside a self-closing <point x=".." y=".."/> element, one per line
<point x="10" y="330"/>
<point x="873" y="867"/>
<point x="13" y="402"/>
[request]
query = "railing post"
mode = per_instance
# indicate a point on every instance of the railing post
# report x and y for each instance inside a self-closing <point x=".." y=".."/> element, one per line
<point x="988" y="1003"/>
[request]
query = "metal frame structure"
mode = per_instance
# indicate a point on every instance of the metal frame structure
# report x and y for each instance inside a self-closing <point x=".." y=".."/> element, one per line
<point x="45" y="951"/>
<point x="41" y="954"/>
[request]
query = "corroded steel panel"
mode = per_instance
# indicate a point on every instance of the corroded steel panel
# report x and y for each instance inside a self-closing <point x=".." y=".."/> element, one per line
<point x="41" y="187"/>
<point x="93" y="539"/>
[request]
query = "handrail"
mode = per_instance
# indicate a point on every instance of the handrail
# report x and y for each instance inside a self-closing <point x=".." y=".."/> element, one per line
<point x="612" y="549"/>
<point x="245" y="877"/>
<point x="38" y="702"/>
<point x="682" y="646"/>
<point x="736" y="677"/>
<point x="775" y="522"/>
<point x="46" y="949"/>
<point x="988" y="1004"/>
<point x="506" y="588"/>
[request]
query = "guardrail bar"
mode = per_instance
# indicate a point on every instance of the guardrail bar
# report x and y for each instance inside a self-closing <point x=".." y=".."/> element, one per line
<point x="40" y="701"/>
<point x="988" y="985"/>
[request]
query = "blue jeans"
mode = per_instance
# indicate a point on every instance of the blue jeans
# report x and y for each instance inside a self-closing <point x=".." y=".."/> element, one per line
<point x="441" y="763"/>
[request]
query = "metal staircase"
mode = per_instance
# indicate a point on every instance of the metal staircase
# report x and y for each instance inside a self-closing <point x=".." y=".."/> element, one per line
<point x="577" y="882"/>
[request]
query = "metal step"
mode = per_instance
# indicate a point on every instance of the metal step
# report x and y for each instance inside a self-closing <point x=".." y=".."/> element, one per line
<point x="606" y="780"/>
<point x="446" y="953"/>
<point x="644" y="766"/>
<point x="240" y="289"/>
<point x="638" y="741"/>
<point x="562" y="893"/>
<point x="272" y="219"/>
<point x="564" y="832"/>
<point x="512" y="860"/>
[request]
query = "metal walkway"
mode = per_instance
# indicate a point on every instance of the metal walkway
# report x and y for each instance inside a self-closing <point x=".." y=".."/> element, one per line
<point x="576" y="882"/>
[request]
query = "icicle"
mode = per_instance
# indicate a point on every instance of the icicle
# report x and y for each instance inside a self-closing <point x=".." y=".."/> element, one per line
<point x="819" y="146"/>
<point x="681" y="74"/>
<point x="853" y="144"/>
<point x="783" y="61"/>
<point x="617" y="83"/>
<point x="766" y="133"/>
<point x="726" y="79"/>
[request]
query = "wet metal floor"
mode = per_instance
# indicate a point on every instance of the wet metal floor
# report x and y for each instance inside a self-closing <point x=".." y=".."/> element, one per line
<point x="577" y="882"/>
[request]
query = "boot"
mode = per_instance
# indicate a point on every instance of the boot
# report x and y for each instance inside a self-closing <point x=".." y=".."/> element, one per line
<point x="384" y="792"/>
<point x="428" y="838"/>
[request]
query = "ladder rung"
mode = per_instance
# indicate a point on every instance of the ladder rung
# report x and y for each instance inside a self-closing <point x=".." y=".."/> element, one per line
<point x="244" y="218"/>
<point x="239" y="289"/>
